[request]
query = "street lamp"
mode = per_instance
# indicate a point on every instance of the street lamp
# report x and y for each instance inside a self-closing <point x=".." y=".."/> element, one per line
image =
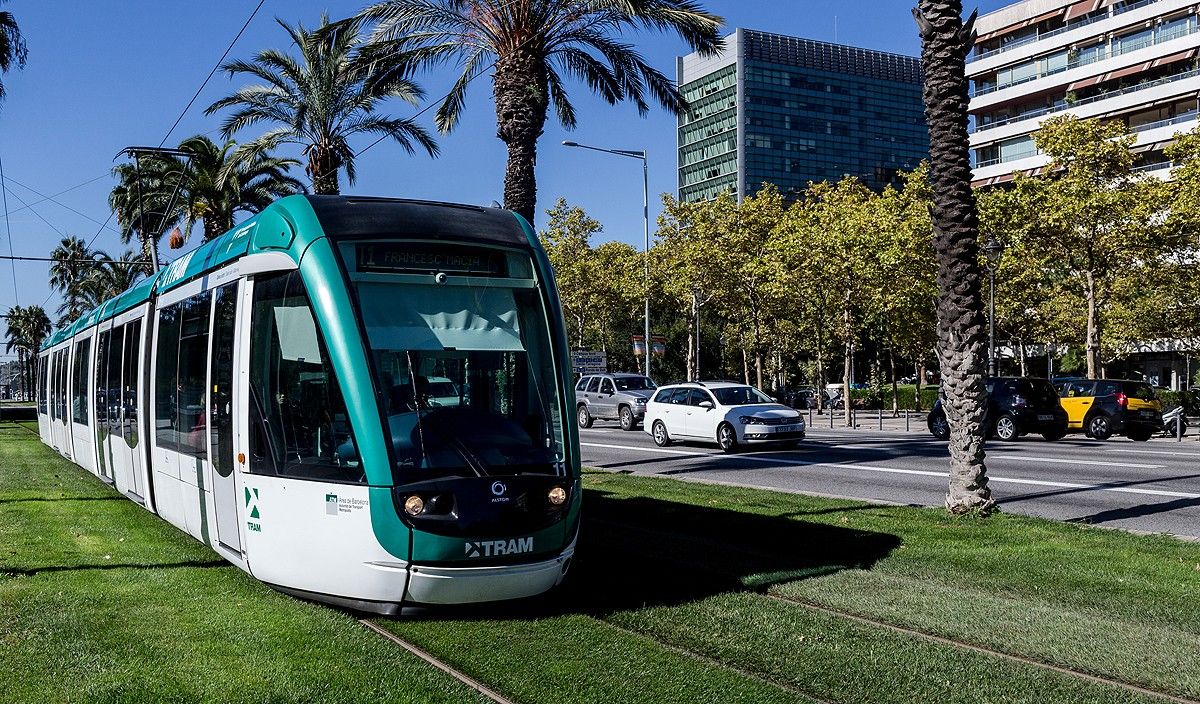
<point x="137" y="153"/>
<point x="634" y="154"/>
<point x="993" y="249"/>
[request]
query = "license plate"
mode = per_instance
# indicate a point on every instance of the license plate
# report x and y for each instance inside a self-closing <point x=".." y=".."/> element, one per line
<point x="1045" y="417"/>
<point x="785" y="429"/>
<point x="1148" y="413"/>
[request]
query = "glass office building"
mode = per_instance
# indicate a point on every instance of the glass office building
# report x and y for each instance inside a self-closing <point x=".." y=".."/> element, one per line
<point x="787" y="111"/>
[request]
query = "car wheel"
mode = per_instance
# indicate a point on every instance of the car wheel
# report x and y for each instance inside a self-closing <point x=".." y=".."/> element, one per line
<point x="940" y="427"/>
<point x="627" y="421"/>
<point x="1139" y="435"/>
<point x="727" y="438"/>
<point x="1100" y="427"/>
<point x="583" y="417"/>
<point x="1006" y="427"/>
<point x="1056" y="434"/>
<point x="660" y="434"/>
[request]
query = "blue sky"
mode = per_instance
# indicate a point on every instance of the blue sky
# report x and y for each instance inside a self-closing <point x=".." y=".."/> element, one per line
<point x="110" y="73"/>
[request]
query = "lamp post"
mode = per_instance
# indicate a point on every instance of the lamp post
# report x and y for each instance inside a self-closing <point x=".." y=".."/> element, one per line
<point x="137" y="153"/>
<point x="993" y="249"/>
<point x="634" y="154"/>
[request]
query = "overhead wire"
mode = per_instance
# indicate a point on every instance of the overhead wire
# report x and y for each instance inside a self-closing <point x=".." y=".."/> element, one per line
<point x="8" y="227"/>
<point x="182" y="113"/>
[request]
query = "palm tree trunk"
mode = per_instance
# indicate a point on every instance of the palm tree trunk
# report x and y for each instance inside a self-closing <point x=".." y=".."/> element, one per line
<point x="962" y="335"/>
<point x="322" y="168"/>
<point x="520" y="91"/>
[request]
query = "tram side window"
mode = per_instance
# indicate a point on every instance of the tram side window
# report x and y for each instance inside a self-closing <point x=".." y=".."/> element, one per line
<point x="42" y="364"/>
<point x="102" y="355"/>
<point x="166" y="373"/>
<point x="298" y="416"/>
<point x="191" y="403"/>
<point x="112" y="386"/>
<point x="221" y="413"/>
<point x="62" y="384"/>
<point x="131" y="373"/>
<point x="79" y="397"/>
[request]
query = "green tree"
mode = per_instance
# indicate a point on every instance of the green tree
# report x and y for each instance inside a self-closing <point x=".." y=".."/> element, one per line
<point x="962" y="337"/>
<point x="13" y="51"/>
<point x="27" y="327"/>
<point x="567" y="241"/>
<point x="111" y="277"/>
<point x="531" y="47"/>
<point x="207" y="187"/>
<point x="321" y="101"/>
<point x="71" y="273"/>
<point x="1103" y="221"/>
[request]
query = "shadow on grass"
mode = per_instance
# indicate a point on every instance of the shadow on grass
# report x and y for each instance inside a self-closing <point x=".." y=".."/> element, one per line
<point x="63" y="498"/>
<point x="202" y="564"/>
<point x="635" y="552"/>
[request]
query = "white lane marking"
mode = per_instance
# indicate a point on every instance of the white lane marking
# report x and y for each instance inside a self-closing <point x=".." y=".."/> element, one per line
<point x="898" y="470"/>
<point x="1153" y="452"/>
<point x="1052" y="460"/>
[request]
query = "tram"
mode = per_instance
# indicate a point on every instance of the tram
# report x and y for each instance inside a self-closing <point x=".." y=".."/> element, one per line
<point x="359" y="401"/>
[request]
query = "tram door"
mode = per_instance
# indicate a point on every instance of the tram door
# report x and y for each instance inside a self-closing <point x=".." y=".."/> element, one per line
<point x="221" y="412"/>
<point x="104" y="407"/>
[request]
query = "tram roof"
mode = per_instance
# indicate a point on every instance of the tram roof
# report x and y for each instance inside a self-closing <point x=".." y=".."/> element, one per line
<point x="290" y="224"/>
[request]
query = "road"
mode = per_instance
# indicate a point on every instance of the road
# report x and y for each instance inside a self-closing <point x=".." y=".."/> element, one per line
<point x="1150" y="486"/>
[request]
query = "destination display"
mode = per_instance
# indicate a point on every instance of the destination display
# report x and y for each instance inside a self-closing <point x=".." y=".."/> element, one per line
<point x="426" y="258"/>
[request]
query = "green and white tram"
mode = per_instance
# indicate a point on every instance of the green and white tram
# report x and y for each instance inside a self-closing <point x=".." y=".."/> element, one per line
<point x="356" y="400"/>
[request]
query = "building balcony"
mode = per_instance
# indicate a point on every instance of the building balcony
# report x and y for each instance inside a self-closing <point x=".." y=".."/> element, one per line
<point x="1118" y="60"/>
<point x="1151" y="137"/>
<point x="1112" y="102"/>
<point x="1073" y="33"/>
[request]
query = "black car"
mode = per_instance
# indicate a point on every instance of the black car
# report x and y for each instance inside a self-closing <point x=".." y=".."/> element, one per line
<point x="1016" y="406"/>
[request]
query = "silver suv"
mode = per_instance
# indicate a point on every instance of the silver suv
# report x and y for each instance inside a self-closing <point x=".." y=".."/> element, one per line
<point x="620" y="397"/>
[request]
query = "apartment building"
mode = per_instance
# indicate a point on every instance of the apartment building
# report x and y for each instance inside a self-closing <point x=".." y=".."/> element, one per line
<point x="787" y="111"/>
<point x="1127" y="60"/>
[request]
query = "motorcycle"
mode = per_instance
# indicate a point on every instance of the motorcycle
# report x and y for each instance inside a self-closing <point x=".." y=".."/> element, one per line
<point x="1174" y="422"/>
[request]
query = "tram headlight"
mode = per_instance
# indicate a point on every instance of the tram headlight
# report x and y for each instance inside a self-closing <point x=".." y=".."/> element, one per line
<point x="557" y="496"/>
<point x="414" y="505"/>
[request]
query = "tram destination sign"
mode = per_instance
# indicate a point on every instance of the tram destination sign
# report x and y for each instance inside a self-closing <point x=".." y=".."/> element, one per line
<point x="428" y="258"/>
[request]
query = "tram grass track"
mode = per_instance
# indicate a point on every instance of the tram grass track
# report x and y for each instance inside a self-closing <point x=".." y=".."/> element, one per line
<point x="687" y="565"/>
<point x="102" y="602"/>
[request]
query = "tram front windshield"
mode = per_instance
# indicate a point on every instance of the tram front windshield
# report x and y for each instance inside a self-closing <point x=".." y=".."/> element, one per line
<point x="466" y="379"/>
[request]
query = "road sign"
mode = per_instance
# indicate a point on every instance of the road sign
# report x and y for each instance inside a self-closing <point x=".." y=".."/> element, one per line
<point x="589" y="362"/>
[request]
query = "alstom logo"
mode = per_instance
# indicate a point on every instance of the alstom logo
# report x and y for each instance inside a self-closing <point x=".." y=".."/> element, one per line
<point x="495" y="548"/>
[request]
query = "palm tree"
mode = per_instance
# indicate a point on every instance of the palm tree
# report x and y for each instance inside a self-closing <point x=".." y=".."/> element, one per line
<point x="145" y="200"/>
<point x="320" y="102"/>
<point x="208" y="186"/>
<point x="531" y="46"/>
<point x="110" y="277"/>
<point x="12" y="46"/>
<point x="72" y="269"/>
<point x="945" y="41"/>
<point x="27" y="327"/>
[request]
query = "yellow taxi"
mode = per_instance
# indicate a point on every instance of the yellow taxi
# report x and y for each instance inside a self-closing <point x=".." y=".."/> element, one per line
<point x="1101" y="407"/>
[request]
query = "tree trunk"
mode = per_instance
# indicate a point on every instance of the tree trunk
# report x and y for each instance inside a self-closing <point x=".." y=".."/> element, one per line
<point x="323" y="165"/>
<point x="895" y="383"/>
<point x="962" y="334"/>
<point x="920" y="369"/>
<point x="1021" y="351"/>
<point x="820" y="380"/>
<point x="1093" y="328"/>
<point x="520" y="91"/>
<point x="848" y="362"/>
<point x="692" y="345"/>
<point x="745" y="366"/>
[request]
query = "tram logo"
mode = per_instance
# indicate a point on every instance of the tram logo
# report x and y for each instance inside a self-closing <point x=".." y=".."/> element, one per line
<point x="494" y="548"/>
<point x="252" y="509"/>
<point x="498" y="489"/>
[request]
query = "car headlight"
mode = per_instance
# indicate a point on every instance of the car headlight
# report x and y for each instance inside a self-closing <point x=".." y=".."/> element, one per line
<point x="747" y="420"/>
<point x="641" y="402"/>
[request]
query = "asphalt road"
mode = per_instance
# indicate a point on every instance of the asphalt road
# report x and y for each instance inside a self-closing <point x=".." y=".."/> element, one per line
<point x="1149" y="486"/>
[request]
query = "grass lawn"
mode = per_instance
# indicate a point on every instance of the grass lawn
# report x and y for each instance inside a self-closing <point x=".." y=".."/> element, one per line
<point x="682" y="592"/>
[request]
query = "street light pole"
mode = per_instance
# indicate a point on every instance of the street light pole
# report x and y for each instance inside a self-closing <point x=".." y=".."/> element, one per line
<point x="635" y="154"/>
<point x="993" y="249"/>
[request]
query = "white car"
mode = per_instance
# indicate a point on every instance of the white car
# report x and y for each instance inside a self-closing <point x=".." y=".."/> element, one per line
<point x="728" y="413"/>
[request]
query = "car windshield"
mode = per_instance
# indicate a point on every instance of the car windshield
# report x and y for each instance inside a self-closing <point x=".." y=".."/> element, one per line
<point x="739" y="396"/>
<point x="466" y="379"/>
<point x="634" y="383"/>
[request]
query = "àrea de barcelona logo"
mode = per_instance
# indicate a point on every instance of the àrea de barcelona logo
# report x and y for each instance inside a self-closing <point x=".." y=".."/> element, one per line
<point x="252" y="508"/>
